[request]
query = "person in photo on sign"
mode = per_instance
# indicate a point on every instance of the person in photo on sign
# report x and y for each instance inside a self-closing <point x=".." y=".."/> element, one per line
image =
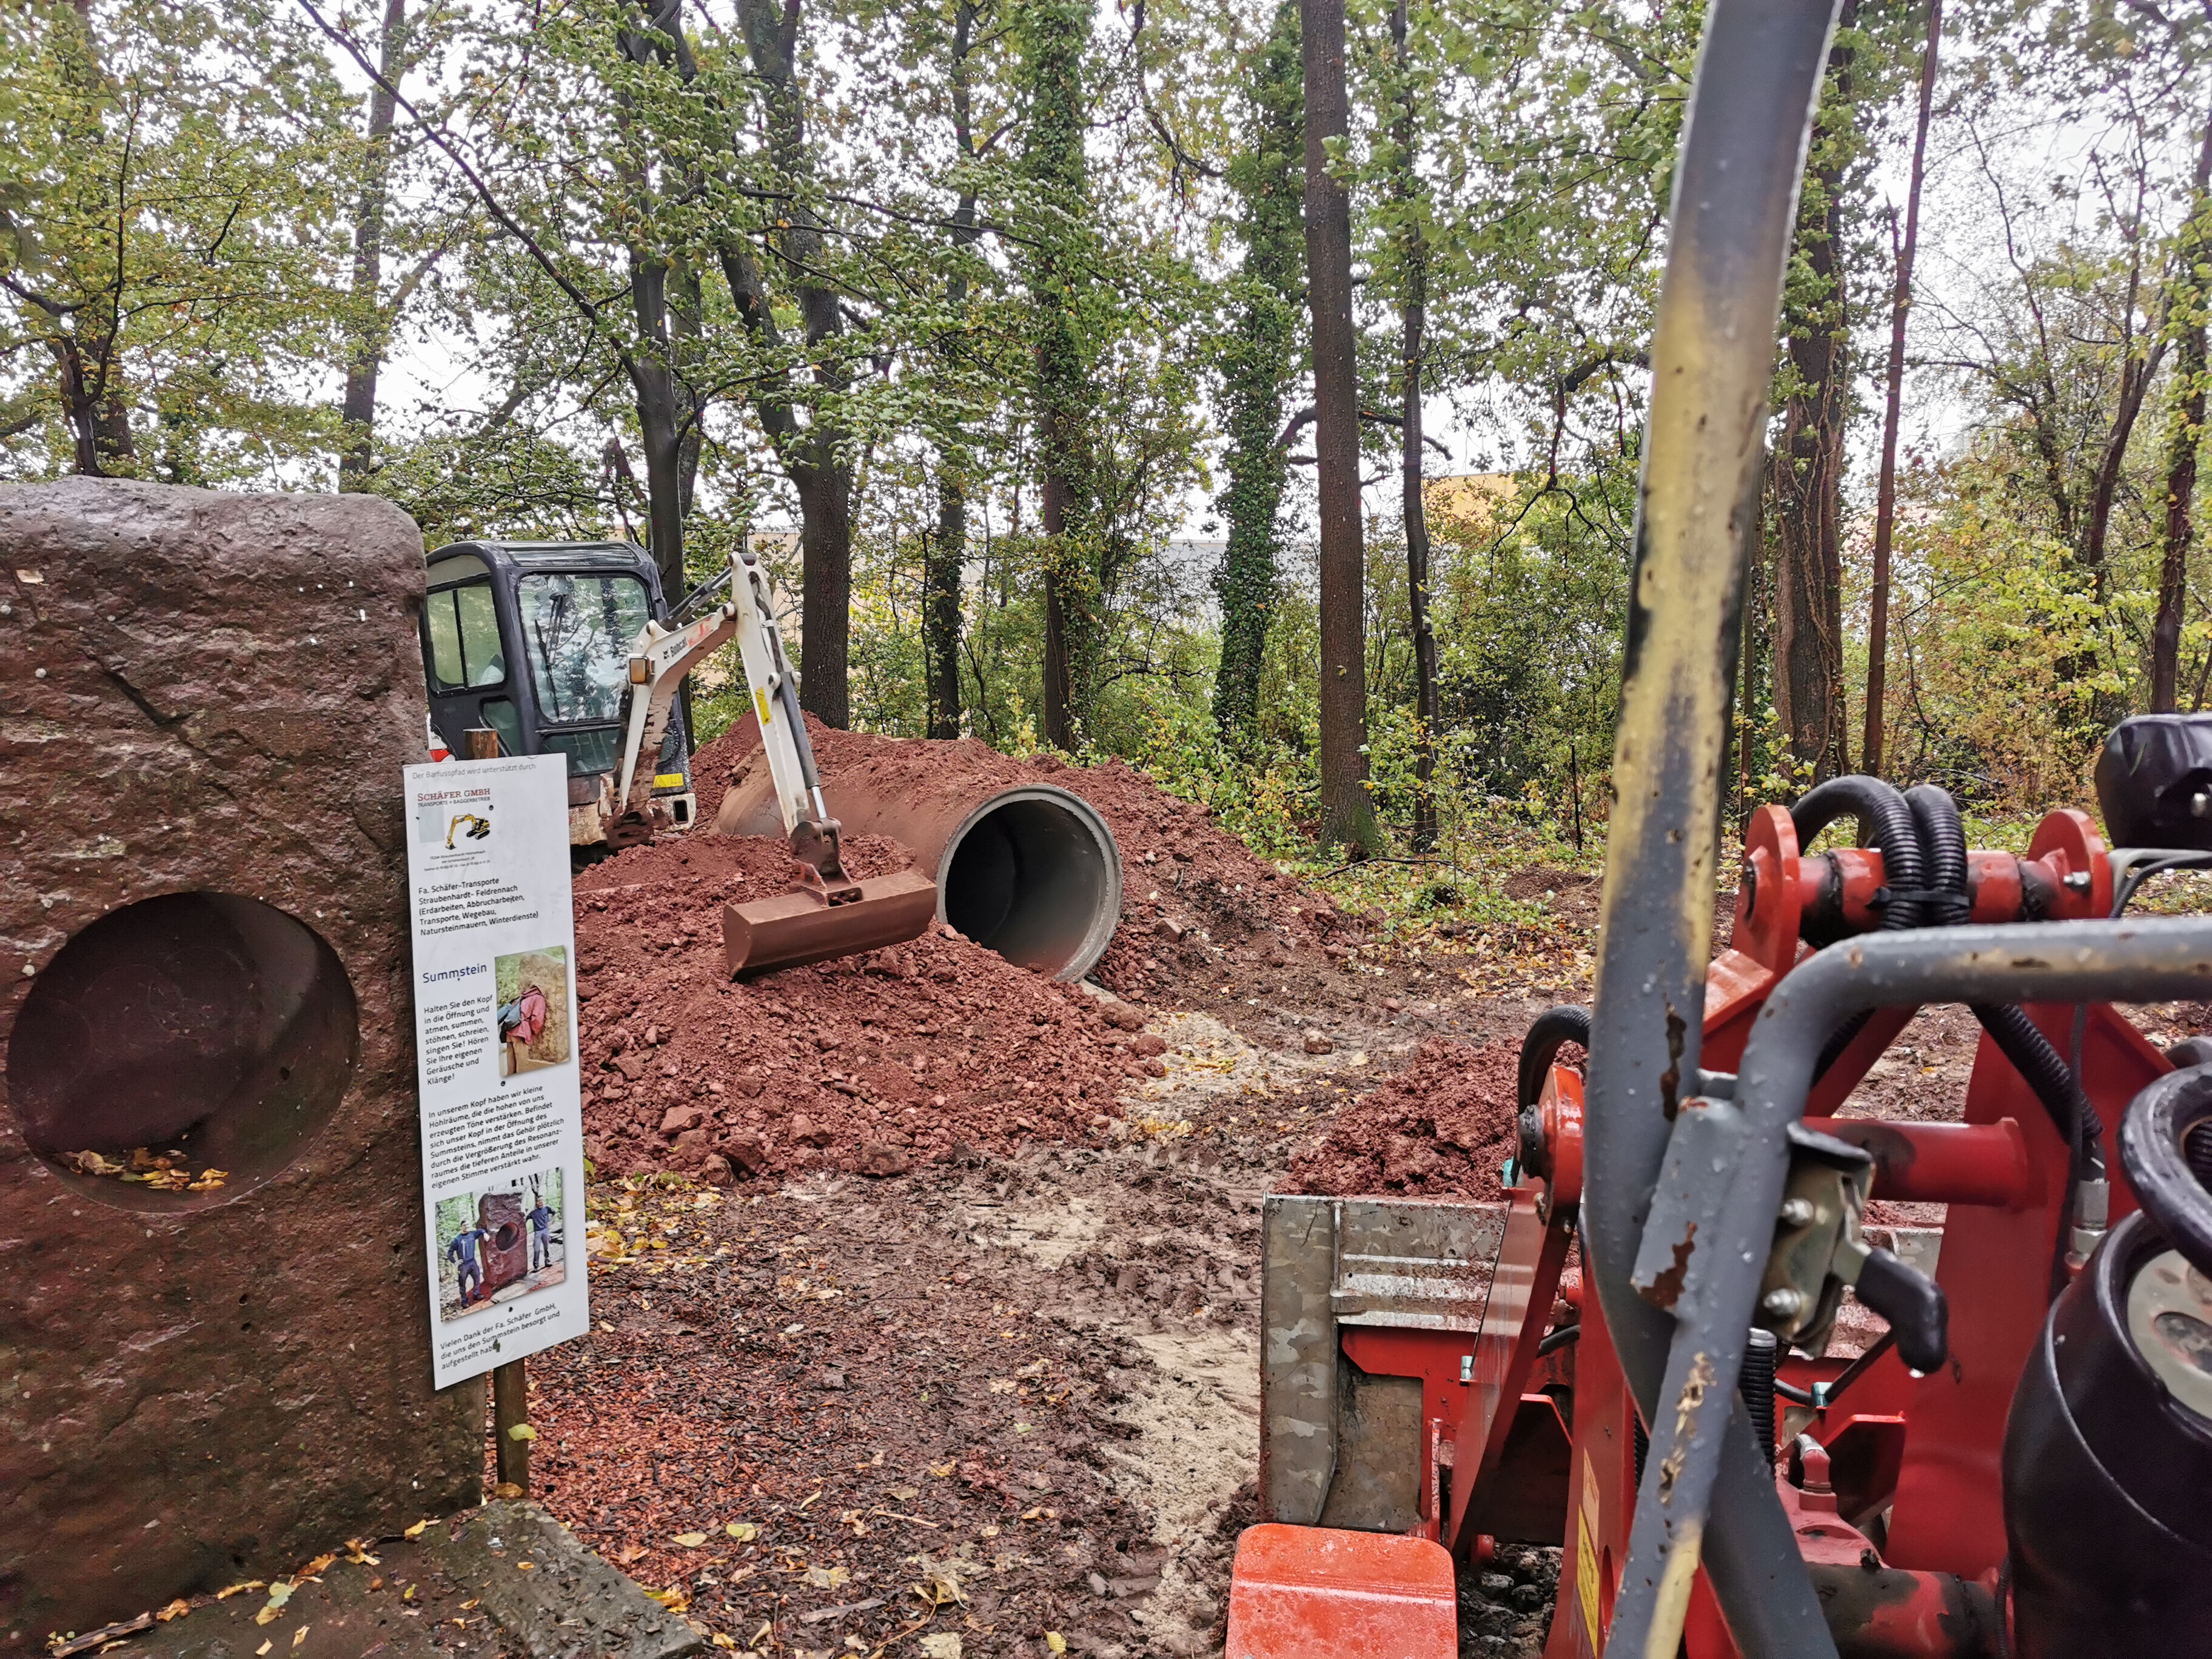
<point x="462" y="1254"/>
<point x="541" y="1232"/>
<point x="519" y="1022"/>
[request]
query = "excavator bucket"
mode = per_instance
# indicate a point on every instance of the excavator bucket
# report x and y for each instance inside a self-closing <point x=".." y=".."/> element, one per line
<point x="812" y="925"/>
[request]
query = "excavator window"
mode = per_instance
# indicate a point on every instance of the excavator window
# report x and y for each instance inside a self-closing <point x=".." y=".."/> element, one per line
<point x="464" y="631"/>
<point x="580" y="629"/>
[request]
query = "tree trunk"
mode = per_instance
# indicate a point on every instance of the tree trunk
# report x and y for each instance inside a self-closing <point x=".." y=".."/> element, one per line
<point x="2186" y="310"/>
<point x="1885" y="509"/>
<point x="1413" y="320"/>
<point x="1806" y="472"/>
<point x="1256" y="368"/>
<point x="940" y="604"/>
<point x="1347" y="814"/>
<point x="653" y="379"/>
<point x="365" y="352"/>
<point x="1055" y="34"/>
<point x="944" y="553"/>
<point x="812" y="457"/>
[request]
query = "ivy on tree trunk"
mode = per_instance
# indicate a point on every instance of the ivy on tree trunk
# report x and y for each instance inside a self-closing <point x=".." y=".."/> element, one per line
<point x="1347" y="812"/>
<point x="1257" y="362"/>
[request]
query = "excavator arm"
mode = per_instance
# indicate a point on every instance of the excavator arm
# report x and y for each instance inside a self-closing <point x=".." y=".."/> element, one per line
<point x="829" y="914"/>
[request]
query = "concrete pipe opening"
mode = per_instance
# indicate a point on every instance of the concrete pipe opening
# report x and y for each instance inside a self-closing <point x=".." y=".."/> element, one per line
<point x="1033" y="874"/>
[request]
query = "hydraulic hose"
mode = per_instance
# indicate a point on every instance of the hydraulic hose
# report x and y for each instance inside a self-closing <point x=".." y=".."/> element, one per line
<point x="1884" y="819"/>
<point x="2154" y="1151"/>
<point x="1946" y="902"/>
<point x="1551" y="1030"/>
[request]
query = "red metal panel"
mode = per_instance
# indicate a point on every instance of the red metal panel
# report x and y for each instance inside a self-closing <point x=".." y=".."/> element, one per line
<point x="1942" y="1163"/>
<point x="1319" y="1593"/>
<point x="1523" y="1287"/>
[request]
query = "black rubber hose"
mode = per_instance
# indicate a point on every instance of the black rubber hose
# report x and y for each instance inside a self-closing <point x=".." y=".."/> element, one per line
<point x="1945" y="903"/>
<point x="1885" y="821"/>
<point x="1551" y="1030"/>
<point x="2153" y="1133"/>
<point x="2048" y="1074"/>
<point x="1553" y="1341"/>
<point x="1755" y="1382"/>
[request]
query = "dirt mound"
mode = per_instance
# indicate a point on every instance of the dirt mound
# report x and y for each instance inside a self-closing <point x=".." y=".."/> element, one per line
<point x="932" y="1050"/>
<point x="1441" y="1128"/>
<point x="1196" y="905"/>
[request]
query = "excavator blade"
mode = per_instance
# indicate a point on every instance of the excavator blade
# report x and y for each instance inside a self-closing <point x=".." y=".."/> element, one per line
<point x="795" y="928"/>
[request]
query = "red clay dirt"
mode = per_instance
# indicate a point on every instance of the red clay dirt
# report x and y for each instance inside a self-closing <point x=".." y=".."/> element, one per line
<point x="1443" y="1127"/>
<point x="932" y="1050"/>
<point x="1193" y="897"/>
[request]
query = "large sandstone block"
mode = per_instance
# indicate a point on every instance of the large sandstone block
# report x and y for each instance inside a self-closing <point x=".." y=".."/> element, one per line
<point x="205" y="700"/>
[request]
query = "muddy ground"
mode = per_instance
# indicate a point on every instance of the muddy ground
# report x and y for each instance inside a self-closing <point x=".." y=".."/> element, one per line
<point x="1012" y="1396"/>
<point x="1005" y="1398"/>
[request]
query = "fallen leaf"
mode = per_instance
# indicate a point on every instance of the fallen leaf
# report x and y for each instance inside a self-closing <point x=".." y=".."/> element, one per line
<point x="828" y="1577"/>
<point x="416" y="1531"/>
<point x="279" y="1594"/>
<point x="176" y="1609"/>
<point x="942" y="1470"/>
<point x="525" y="1567"/>
<point x="521" y="1431"/>
<point x="1003" y="1385"/>
<point x="240" y="1590"/>
<point x="743" y="1531"/>
<point x="690" y="1540"/>
<point x="263" y="1648"/>
<point x="1056" y="1641"/>
<point x="627" y="1553"/>
<point x="902" y="1493"/>
<point x="722" y="1640"/>
<point x="300" y="1635"/>
<point x="316" y="1565"/>
<point x="942" y="1644"/>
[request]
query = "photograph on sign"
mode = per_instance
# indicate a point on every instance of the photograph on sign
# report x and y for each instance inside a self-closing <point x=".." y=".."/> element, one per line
<point x="508" y="1241"/>
<point x="534" y="1009"/>
<point x="496" y="1041"/>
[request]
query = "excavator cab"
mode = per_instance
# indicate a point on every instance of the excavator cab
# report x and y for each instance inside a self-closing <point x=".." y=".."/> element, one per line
<point x="532" y="640"/>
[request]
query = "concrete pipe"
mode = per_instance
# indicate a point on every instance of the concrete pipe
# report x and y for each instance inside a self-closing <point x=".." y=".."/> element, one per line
<point x="1029" y="870"/>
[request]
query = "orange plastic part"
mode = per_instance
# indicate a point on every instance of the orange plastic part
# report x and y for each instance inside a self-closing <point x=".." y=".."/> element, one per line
<point x="1319" y="1593"/>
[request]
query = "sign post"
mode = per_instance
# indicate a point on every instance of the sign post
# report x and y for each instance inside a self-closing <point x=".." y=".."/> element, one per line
<point x="495" y="1045"/>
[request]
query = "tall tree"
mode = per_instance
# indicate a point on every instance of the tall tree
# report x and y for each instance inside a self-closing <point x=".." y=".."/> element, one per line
<point x="368" y="324"/>
<point x="1885" y="510"/>
<point x="1411" y="239"/>
<point x="2185" y="309"/>
<point x="947" y="545"/>
<point x="1055" y="36"/>
<point x="1257" y="362"/>
<point x="1347" y="811"/>
<point x="816" y="457"/>
<point x="1806" y="474"/>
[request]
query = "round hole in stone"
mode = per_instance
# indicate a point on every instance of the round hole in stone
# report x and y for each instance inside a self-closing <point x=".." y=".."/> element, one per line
<point x="203" y="1030"/>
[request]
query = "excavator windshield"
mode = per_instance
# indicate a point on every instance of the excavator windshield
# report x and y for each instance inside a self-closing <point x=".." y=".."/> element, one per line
<point x="580" y="629"/>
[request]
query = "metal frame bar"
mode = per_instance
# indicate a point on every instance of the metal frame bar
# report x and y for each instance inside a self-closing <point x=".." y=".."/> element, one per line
<point x="1692" y="1444"/>
<point x="1760" y="69"/>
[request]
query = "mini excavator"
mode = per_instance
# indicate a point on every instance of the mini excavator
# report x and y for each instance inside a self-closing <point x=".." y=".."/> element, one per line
<point x="564" y="648"/>
<point x="2014" y="1459"/>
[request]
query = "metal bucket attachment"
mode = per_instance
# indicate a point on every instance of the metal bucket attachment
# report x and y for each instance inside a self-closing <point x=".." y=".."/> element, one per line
<point x="792" y="929"/>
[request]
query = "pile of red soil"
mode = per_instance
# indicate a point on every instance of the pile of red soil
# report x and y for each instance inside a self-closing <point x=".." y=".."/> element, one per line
<point x="1194" y="900"/>
<point x="931" y="1050"/>
<point x="1443" y="1127"/>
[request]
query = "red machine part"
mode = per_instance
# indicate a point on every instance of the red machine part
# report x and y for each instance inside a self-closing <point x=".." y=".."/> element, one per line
<point x="1300" y="1591"/>
<point x="1917" y="1460"/>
